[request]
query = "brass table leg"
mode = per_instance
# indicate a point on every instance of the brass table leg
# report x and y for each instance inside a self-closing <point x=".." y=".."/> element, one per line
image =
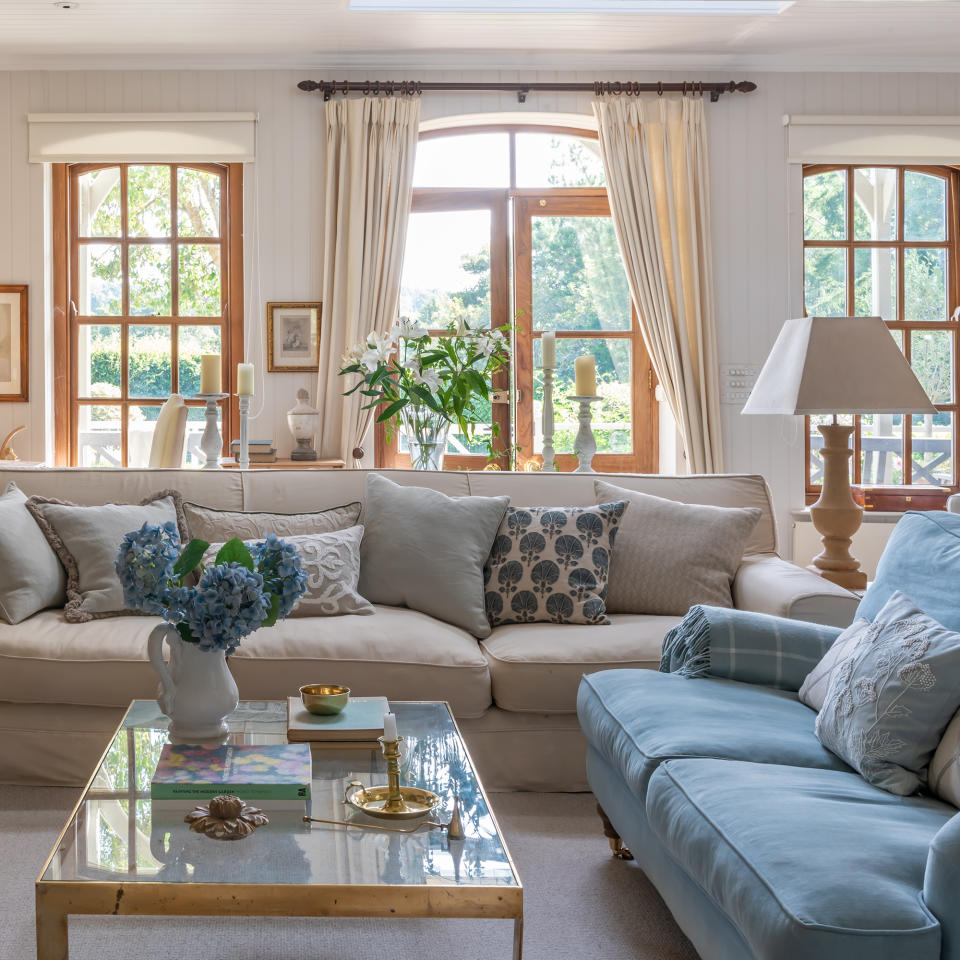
<point x="52" y="935"/>
<point x="518" y="938"/>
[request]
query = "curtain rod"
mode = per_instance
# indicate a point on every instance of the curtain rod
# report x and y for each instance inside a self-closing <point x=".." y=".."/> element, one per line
<point x="598" y="88"/>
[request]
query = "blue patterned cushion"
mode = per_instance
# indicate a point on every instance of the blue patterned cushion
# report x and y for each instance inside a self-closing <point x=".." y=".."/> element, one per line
<point x="551" y="564"/>
<point x="888" y="704"/>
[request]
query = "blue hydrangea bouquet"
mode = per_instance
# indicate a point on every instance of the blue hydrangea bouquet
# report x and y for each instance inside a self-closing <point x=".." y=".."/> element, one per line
<point x="246" y="587"/>
<point x="207" y="609"/>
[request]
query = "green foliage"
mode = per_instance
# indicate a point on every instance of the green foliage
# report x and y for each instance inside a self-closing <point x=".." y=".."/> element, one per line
<point x="190" y="558"/>
<point x="235" y="551"/>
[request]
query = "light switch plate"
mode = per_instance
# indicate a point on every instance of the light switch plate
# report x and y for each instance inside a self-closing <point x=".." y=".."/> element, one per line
<point x="737" y="380"/>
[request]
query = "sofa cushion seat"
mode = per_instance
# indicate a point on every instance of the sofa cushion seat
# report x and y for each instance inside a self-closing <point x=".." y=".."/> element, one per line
<point x="397" y="653"/>
<point x="637" y="719"/>
<point x="806" y="862"/>
<point x="536" y="667"/>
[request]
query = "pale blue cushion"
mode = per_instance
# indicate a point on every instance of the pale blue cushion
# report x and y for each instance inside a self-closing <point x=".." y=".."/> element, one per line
<point x="636" y="719"/>
<point x="888" y="704"/>
<point x="922" y="558"/>
<point x="807" y="863"/>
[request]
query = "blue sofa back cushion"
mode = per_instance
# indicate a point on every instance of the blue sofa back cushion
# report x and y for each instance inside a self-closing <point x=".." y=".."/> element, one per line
<point x="922" y="558"/>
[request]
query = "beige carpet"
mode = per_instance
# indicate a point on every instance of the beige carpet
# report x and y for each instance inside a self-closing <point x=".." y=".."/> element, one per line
<point x="579" y="902"/>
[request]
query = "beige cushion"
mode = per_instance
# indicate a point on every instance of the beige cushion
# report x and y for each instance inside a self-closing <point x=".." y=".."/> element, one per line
<point x="207" y="523"/>
<point x="86" y="539"/>
<point x="425" y="550"/>
<point x="31" y="576"/>
<point x="397" y="653"/>
<point x="944" y="776"/>
<point x="669" y="556"/>
<point x="813" y="690"/>
<point x="536" y="667"/>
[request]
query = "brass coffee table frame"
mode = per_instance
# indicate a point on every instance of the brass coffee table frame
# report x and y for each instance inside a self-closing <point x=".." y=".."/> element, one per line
<point x="56" y="900"/>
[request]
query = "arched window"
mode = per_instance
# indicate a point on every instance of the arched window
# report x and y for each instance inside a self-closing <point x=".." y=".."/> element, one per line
<point x="147" y="278"/>
<point x="514" y="222"/>
<point x="882" y="241"/>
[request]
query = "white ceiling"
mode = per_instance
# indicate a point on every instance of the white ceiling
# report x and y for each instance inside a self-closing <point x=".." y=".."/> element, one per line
<point x="812" y="34"/>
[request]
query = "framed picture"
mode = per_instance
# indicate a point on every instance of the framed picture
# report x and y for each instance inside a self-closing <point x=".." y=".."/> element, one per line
<point x="293" y="337"/>
<point x="13" y="342"/>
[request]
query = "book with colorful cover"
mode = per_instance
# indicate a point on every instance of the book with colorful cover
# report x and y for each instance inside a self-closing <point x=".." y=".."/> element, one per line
<point x="360" y="722"/>
<point x="275" y="771"/>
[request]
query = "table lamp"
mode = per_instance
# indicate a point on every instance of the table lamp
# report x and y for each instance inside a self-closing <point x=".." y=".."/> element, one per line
<point x="831" y="365"/>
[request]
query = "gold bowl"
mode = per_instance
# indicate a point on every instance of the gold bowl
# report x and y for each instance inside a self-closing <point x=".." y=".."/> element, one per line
<point x="325" y="699"/>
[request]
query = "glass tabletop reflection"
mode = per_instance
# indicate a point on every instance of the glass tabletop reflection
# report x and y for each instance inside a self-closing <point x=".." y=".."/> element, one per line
<point x="117" y="835"/>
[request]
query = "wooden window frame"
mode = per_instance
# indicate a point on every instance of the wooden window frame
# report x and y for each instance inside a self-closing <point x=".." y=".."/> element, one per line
<point x="908" y="496"/>
<point x="67" y="320"/>
<point x="519" y="204"/>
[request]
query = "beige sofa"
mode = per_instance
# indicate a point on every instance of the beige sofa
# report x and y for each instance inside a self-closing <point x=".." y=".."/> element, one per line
<point x="63" y="686"/>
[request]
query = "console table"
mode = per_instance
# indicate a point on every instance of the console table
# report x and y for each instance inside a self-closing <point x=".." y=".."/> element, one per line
<point x="231" y="464"/>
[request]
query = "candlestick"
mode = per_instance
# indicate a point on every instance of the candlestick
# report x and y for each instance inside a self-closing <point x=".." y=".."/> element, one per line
<point x="585" y="374"/>
<point x="585" y="443"/>
<point x="549" y="466"/>
<point x="211" y="443"/>
<point x="210" y="376"/>
<point x="389" y="726"/>
<point x="549" y="346"/>
<point x="244" y="458"/>
<point x="245" y="380"/>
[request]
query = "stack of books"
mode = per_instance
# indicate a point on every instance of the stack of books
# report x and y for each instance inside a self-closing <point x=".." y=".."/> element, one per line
<point x="261" y="451"/>
<point x="356" y="727"/>
<point x="274" y="776"/>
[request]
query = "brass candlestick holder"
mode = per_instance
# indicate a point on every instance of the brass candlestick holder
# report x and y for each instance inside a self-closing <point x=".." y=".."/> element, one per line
<point x="393" y="801"/>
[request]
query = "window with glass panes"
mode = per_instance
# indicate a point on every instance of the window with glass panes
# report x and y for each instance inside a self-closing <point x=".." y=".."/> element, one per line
<point x="149" y="274"/>
<point x="882" y="241"/>
<point x="514" y="223"/>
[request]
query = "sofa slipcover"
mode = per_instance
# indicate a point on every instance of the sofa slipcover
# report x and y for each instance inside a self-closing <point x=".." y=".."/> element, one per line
<point x="806" y="862"/>
<point x="637" y="719"/>
<point x="536" y="667"/>
<point x="104" y="662"/>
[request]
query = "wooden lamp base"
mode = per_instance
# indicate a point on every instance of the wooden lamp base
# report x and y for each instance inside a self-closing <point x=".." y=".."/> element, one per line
<point x="836" y="515"/>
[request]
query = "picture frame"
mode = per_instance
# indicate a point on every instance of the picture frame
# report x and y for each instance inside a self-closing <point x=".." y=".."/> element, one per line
<point x="14" y="343"/>
<point x="293" y="337"/>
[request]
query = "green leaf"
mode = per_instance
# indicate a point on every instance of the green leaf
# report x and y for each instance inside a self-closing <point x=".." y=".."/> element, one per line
<point x="274" y="611"/>
<point x="235" y="551"/>
<point x="391" y="410"/>
<point x="185" y="633"/>
<point x="190" y="558"/>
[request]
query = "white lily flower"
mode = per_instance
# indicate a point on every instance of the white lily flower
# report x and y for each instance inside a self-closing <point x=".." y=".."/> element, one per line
<point x="409" y="329"/>
<point x="428" y="378"/>
<point x="379" y="347"/>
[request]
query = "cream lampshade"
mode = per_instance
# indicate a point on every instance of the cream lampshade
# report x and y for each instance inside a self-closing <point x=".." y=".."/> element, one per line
<point x="831" y="365"/>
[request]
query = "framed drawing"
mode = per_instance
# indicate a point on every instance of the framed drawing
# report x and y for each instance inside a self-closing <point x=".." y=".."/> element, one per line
<point x="13" y="342"/>
<point x="293" y="337"/>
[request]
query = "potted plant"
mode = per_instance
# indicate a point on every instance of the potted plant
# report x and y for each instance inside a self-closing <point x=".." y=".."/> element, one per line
<point x="428" y="384"/>
<point x="207" y="609"/>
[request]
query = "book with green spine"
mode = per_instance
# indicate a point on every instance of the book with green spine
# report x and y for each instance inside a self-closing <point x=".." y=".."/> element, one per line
<point x="275" y="771"/>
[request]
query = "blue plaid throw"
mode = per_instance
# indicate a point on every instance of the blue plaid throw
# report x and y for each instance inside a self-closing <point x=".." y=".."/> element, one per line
<point x="746" y="646"/>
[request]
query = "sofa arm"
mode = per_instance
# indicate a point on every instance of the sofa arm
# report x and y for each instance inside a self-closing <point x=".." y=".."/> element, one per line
<point x="768" y="584"/>
<point x="745" y="646"/>
<point x="941" y="886"/>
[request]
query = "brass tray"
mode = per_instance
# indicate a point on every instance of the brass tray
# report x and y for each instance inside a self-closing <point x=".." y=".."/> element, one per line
<point x="371" y="800"/>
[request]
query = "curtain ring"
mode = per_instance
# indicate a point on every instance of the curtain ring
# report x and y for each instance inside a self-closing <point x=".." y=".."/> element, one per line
<point x="366" y="88"/>
<point x="617" y="88"/>
<point x="659" y="88"/>
<point x="393" y="87"/>
<point x="701" y="89"/>
<point x="346" y="88"/>
<point x="597" y="89"/>
<point x="419" y="89"/>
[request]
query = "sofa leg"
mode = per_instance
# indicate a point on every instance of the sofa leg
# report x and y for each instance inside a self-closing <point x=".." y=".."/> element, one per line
<point x="616" y="844"/>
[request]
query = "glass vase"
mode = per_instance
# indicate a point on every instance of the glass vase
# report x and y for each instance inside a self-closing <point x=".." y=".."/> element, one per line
<point x="426" y="432"/>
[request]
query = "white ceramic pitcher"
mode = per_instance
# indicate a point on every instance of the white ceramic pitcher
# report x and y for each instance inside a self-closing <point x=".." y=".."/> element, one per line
<point x="197" y="690"/>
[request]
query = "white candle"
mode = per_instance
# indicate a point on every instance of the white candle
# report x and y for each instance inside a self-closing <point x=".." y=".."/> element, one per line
<point x="549" y="341"/>
<point x="585" y="374"/>
<point x="389" y="726"/>
<point x="210" y="381"/>
<point x="244" y="379"/>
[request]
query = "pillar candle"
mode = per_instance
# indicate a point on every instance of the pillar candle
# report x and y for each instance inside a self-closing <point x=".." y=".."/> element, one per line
<point x="210" y="381"/>
<point x="389" y="726"/>
<point x="549" y="341"/>
<point x="244" y="379"/>
<point x="585" y="373"/>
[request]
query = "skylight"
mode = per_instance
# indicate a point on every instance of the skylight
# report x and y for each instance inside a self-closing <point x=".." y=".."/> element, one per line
<point x="660" y="7"/>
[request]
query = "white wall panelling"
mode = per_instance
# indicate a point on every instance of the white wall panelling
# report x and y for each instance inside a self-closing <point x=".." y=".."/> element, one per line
<point x="756" y="198"/>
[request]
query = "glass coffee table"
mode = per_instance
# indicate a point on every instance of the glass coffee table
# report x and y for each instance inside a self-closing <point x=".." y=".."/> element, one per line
<point x="117" y="855"/>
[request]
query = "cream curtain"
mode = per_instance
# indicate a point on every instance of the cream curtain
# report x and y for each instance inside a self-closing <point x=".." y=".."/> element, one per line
<point x="370" y="149"/>
<point x="655" y="157"/>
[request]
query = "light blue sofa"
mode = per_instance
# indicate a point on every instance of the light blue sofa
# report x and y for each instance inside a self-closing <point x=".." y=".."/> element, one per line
<point x="763" y="843"/>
